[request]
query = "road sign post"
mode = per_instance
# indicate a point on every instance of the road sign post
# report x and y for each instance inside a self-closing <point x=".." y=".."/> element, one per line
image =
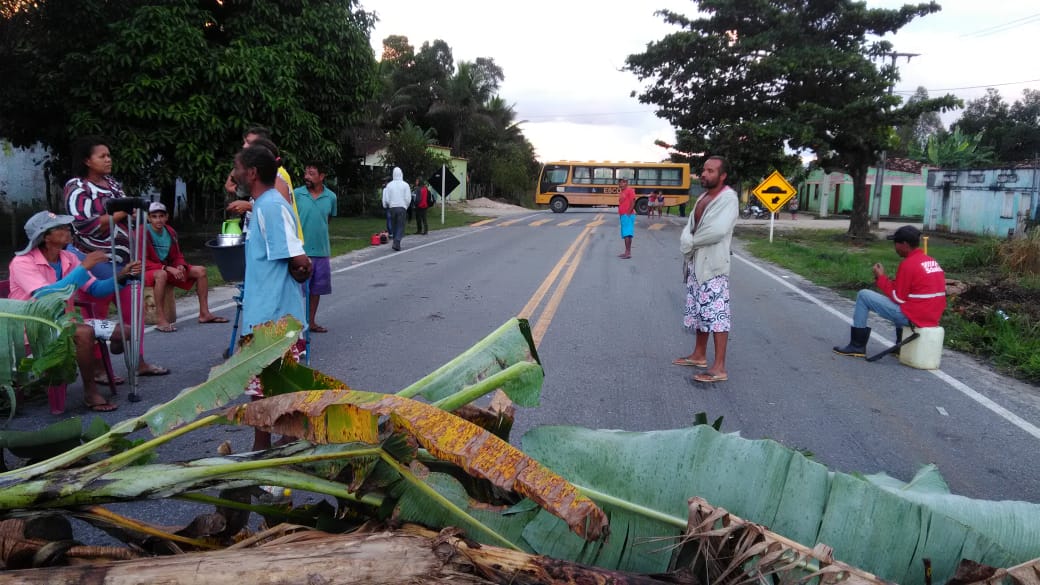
<point x="773" y="193"/>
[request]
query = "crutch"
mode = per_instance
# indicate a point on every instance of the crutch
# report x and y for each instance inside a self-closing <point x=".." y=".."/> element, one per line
<point x="307" y="333"/>
<point x="134" y="207"/>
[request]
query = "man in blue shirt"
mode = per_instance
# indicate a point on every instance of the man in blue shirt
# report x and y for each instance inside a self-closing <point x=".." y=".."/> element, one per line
<point x="275" y="260"/>
<point x="316" y="204"/>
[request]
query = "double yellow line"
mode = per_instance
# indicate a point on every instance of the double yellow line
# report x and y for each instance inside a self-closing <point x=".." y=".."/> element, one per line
<point x="570" y="260"/>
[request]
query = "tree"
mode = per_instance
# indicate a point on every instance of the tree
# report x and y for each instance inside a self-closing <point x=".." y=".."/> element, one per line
<point x="794" y="74"/>
<point x="173" y="83"/>
<point x="953" y="150"/>
<point x="459" y="99"/>
<point x="409" y="148"/>
<point x="1013" y="132"/>
<point x="917" y="133"/>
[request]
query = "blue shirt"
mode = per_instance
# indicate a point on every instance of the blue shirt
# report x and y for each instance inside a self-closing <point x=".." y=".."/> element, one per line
<point x="314" y="215"/>
<point x="271" y="240"/>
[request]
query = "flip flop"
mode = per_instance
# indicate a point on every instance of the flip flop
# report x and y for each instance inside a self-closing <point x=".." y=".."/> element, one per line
<point x="154" y="370"/>
<point x="105" y="406"/>
<point x="103" y="380"/>
<point x="684" y="361"/>
<point x="707" y="378"/>
<point x="319" y="329"/>
<point x="214" y="319"/>
<point x="165" y="328"/>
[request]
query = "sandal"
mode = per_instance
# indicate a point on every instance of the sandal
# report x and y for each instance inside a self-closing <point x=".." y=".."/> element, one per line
<point x="154" y="370"/>
<point x="685" y="361"/>
<point x="318" y="329"/>
<point x="103" y="380"/>
<point x="214" y="319"/>
<point x="707" y="378"/>
<point x="105" y="406"/>
<point x="165" y="328"/>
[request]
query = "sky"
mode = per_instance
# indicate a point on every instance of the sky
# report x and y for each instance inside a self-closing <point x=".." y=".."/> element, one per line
<point x="563" y="60"/>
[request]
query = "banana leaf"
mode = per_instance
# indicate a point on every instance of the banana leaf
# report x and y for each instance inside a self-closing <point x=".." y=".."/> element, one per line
<point x="322" y="416"/>
<point x="643" y="481"/>
<point x="508" y="345"/>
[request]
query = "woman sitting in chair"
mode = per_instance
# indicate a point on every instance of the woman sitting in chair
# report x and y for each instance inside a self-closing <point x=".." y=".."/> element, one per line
<point x="44" y="266"/>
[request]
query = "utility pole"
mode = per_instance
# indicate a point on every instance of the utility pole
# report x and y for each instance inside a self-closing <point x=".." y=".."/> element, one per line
<point x="879" y="172"/>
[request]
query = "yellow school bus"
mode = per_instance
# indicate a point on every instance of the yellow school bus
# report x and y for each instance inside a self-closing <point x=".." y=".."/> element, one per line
<point x="564" y="184"/>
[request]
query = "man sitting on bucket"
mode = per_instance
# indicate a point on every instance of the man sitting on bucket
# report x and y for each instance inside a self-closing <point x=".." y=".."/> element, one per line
<point x="917" y="296"/>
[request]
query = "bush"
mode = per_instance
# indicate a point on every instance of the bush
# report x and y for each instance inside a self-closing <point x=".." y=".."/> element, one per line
<point x="1022" y="255"/>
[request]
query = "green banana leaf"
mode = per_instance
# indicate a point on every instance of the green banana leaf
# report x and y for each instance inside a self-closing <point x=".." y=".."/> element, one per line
<point x="643" y="481"/>
<point x="510" y="344"/>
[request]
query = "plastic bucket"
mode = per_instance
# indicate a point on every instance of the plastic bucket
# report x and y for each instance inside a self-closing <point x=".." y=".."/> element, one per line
<point x="925" y="352"/>
<point x="375" y="240"/>
<point x="230" y="260"/>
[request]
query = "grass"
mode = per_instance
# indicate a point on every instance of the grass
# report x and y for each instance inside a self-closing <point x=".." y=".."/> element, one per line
<point x="971" y="320"/>
<point x="346" y="234"/>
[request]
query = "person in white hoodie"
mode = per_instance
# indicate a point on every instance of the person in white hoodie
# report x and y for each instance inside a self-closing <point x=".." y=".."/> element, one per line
<point x="397" y="195"/>
<point x="705" y="246"/>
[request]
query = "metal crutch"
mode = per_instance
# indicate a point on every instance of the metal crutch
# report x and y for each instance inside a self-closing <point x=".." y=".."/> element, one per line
<point x="134" y="207"/>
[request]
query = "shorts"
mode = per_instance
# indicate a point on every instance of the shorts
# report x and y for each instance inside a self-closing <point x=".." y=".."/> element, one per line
<point x="628" y="225"/>
<point x="103" y="328"/>
<point x="186" y="284"/>
<point x="321" y="277"/>
<point x="707" y="305"/>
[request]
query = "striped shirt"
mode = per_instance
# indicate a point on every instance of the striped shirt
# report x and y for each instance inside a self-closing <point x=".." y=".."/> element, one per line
<point x="86" y="203"/>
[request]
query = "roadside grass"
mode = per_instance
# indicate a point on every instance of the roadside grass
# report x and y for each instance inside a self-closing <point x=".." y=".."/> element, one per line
<point x="346" y="234"/>
<point x="971" y="321"/>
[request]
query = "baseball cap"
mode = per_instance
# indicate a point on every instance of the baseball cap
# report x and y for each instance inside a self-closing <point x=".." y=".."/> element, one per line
<point x="907" y="234"/>
<point x="156" y="206"/>
<point x="38" y="225"/>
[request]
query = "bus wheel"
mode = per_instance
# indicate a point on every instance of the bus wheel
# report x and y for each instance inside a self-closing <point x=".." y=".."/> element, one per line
<point x="642" y="206"/>
<point x="558" y="204"/>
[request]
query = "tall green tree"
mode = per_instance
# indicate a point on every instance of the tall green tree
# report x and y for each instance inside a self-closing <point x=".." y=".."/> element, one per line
<point x="802" y="72"/>
<point x="913" y="137"/>
<point x="173" y="83"/>
<point x="1012" y="131"/>
<point x="409" y="148"/>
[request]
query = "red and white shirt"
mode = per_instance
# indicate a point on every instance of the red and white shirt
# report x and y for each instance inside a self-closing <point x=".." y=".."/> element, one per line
<point x="919" y="288"/>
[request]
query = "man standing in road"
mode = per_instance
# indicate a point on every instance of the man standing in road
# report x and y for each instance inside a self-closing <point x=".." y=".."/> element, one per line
<point x="396" y="197"/>
<point x="626" y="215"/>
<point x="917" y="295"/>
<point x="423" y="201"/>
<point x="316" y="204"/>
<point x="275" y="260"/>
<point x="705" y="246"/>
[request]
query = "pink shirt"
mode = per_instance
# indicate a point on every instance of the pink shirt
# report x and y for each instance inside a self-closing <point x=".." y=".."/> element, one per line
<point x="31" y="271"/>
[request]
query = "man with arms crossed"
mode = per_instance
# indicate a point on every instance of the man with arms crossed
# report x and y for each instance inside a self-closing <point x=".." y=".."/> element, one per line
<point x="705" y="246"/>
<point x="275" y="260"/>
<point x="316" y="204"/>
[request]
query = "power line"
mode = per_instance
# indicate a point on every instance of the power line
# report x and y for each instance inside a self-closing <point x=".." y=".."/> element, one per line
<point x="969" y="86"/>
<point x="984" y="32"/>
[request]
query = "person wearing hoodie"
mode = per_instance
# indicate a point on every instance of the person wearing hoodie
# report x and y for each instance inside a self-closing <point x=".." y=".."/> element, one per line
<point x="396" y="197"/>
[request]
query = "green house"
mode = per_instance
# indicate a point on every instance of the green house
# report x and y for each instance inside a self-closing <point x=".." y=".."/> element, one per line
<point x="902" y="196"/>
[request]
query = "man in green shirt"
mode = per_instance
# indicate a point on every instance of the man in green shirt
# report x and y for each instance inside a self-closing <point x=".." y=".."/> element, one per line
<point x="316" y="204"/>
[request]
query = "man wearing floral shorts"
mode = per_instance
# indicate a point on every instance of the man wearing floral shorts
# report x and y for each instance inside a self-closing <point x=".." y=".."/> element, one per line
<point x="705" y="245"/>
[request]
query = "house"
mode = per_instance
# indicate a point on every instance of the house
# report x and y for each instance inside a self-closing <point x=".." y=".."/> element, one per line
<point x="902" y="196"/>
<point x="1000" y="202"/>
<point x="458" y="168"/>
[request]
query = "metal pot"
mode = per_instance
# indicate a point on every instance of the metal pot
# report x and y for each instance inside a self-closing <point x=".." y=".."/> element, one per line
<point x="224" y="240"/>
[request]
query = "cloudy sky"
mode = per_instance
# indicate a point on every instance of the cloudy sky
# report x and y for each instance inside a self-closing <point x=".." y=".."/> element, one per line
<point x="562" y="60"/>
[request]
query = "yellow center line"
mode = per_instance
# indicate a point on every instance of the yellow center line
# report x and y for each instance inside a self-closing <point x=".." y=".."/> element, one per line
<point x="539" y="294"/>
<point x="540" y="222"/>
<point x="568" y="222"/>
<point x="510" y="222"/>
<point x="482" y="222"/>
<point x="538" y="331"/>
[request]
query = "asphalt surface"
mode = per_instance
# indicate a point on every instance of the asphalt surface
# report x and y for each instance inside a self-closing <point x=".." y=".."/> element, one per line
<point x="609" y="330"/>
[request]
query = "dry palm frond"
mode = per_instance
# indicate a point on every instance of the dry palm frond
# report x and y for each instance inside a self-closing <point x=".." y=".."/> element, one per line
<point x="972" y="573"/>
<point x="729" y="550"/>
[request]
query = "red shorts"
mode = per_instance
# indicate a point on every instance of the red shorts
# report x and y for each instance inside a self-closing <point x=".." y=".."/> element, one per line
<point x="186" y="284"/>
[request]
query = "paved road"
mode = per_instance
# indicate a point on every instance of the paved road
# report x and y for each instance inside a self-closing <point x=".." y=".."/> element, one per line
<point x="608" y="329"/>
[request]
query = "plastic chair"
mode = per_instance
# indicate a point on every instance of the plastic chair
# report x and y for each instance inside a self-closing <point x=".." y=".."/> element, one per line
<point x="102" y="346"/>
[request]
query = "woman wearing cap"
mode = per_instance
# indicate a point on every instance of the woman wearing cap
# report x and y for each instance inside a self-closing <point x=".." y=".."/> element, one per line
<point x="165" y="268"/>
<point x="45" y="266"/>
<point x="85" y="195"/>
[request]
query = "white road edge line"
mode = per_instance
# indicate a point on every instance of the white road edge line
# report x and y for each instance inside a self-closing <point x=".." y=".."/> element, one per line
<point x="953" y="382"/>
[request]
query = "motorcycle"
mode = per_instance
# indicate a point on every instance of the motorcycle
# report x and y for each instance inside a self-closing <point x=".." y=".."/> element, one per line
<point x="754" y="211"/>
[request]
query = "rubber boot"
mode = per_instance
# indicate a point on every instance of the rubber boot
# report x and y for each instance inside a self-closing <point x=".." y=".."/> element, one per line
<point x="899" y="339"/>
<point x="857" y="346"/>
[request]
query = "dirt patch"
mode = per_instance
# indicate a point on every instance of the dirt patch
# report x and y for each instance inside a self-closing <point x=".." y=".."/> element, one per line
<point x="981" y="299"/>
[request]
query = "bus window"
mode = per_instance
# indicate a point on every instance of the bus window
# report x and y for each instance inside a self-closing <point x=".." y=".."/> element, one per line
<point x="603" y="175"/>
<point x="582" y="176"/>
<point x="671" y="177"/>
<point x="627" y="174"/>
<point x="554" y="175"/>
<point x="647" y="176"/>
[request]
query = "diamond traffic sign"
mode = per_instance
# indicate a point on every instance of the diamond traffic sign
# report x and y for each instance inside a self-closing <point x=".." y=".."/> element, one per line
<point x="450" y="181"/>
<point x="774" y="192"/>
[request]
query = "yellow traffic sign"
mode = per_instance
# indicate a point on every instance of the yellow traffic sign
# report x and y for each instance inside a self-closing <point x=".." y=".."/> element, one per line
<point x="774" y="192"/>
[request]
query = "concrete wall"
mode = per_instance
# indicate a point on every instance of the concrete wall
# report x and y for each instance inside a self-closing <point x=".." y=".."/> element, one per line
<point x="983" y="202"/>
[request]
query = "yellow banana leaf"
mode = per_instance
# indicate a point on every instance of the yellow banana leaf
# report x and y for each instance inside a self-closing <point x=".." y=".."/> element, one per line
<point x="328" y="416"/>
